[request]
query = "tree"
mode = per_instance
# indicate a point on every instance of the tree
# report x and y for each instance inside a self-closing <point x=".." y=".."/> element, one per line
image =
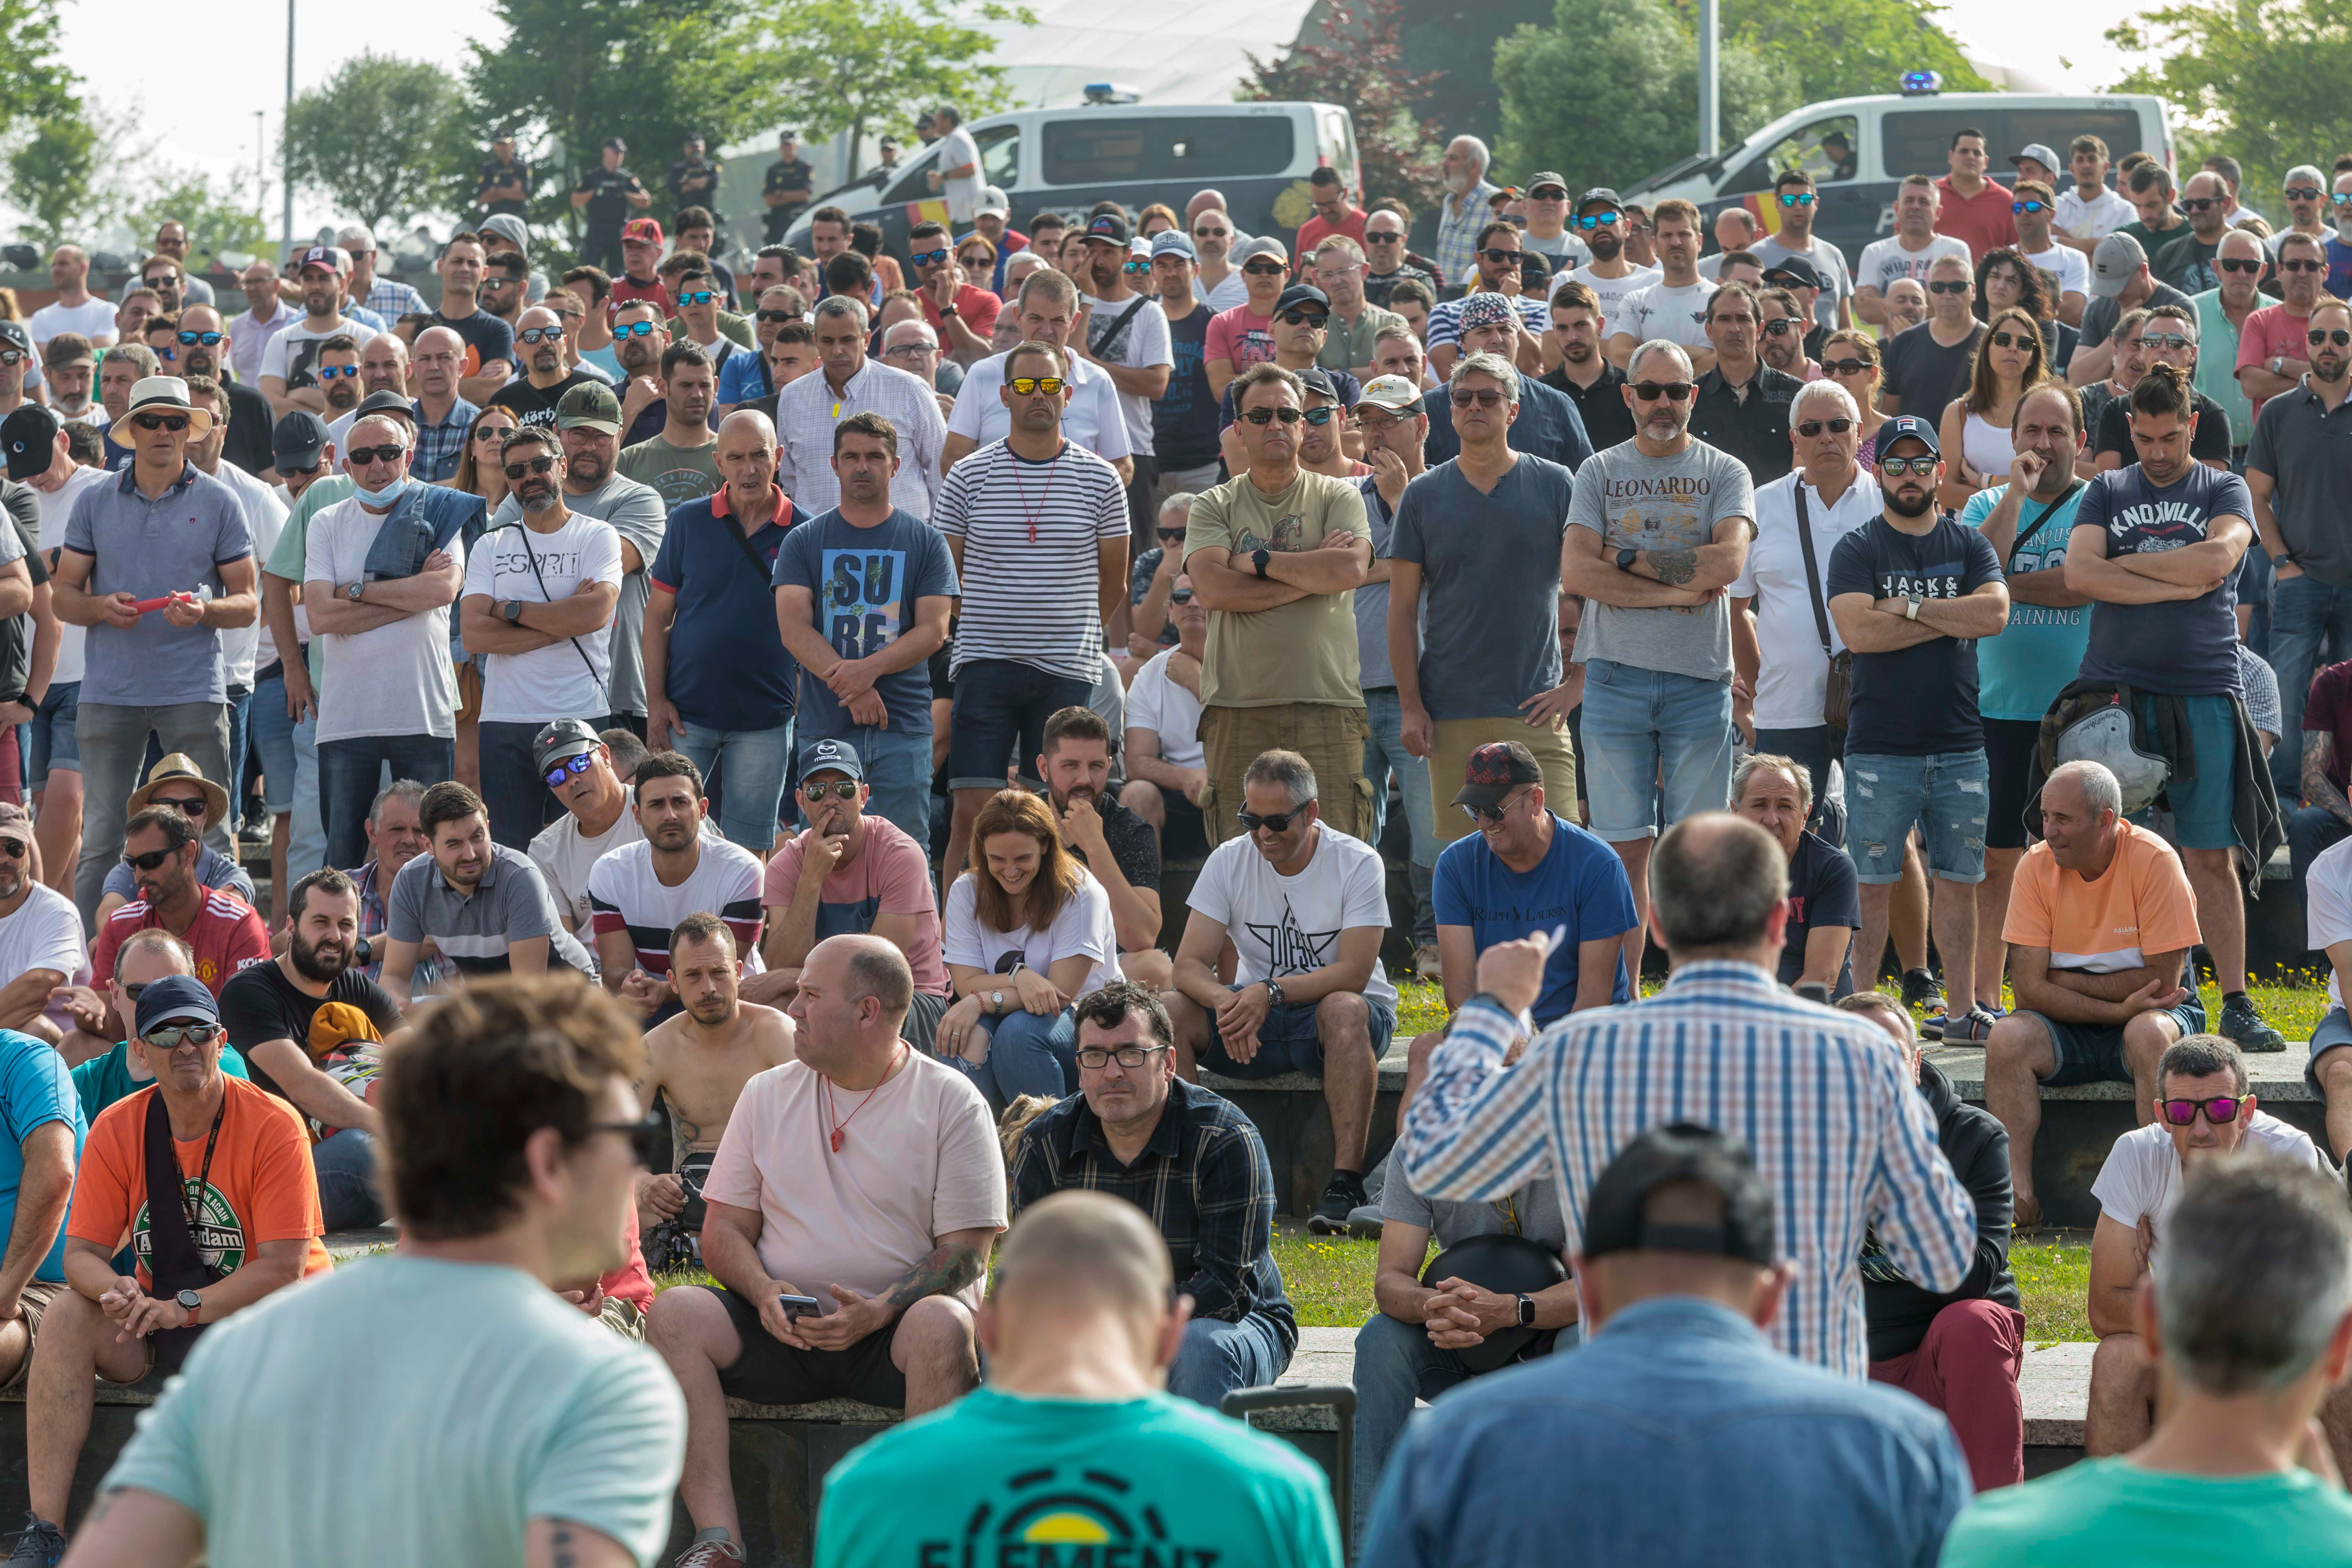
<point x="384" y="140"/>
<point x="2206" y="61"/>
<point x="35" y="84"/>
<point x="1363" y="68"/>
<point x="1646" y="117"/>
<point x="53" y="176"/>
<point x="220" y="222"/>
<point x="1853" y="47"/>
<point x="859" y="65"/>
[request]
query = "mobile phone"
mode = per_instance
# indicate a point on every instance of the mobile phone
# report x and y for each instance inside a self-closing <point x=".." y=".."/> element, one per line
<point x="794" y="1306"/>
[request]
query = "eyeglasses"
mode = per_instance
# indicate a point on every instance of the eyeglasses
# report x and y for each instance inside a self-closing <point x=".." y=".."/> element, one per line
<point x="1813" y="427"/>
<point x="175" y="423"/>
<point x="1923" y="466"/>
<point x="1484" y="396"/>
<point x="841" y="789"/>
<point x="1798" y="199"/>
<point x="171" y="1036"/>
<point x="2240" y="264"/>
<point x="2319" y="336"/>
<point x="1094" y="1058"/>
<point x="2200" y="204"/>
<point x="1501" y="257"/>
<point x="1026" y="385"/>
<point x="1268" y="415"/>
<point x="634" y="330"/>
<point x="1957" y="286"/>
<point x="2163" y="341"/>
<point x="1781" y="326"/>
<point x="1278" y="822"/>
<point x="2029" y="206"/>
<point x="539" y="465"/>
<point x="192" y="807"/>
<point x="910" y="351"/>
<point x="2220" y="1111"/>
<point x="570" y="768"/>
<point x="2013" y="341"/>
<point x="699" y="296"/>
<point x="928" y="258"/>
<point x="2301" y="266"/>
<point x="1271" y="270"/>
<point x="1321" y="415"/>
<point x="1210" y="233"/>
<point x="1594" y="220"/>
<point x="1301" y="318"/>
<point x="149" y="861"/>
<point x="2302" y="192"/>
<point x="1846" y="366"/>
<point x="641" y="1133"/>
<point x="209" y="340"/>
<point x="1672" y="391"/>
<point x="361" y="456"/>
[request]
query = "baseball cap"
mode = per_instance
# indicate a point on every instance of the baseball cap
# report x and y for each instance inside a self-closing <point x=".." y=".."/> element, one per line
<point x="1173" y="242"/>
<point x="2114" y="263"/>
<point x="1108" y="227"/>
<point x="299" y="440"/>
<point x="509" y="228"/>
<point x="175" y="996"/>
<point x="325" y="256"/>
<point x="1496" y="768"/>
<point x="784" y="136"/>
<point x="29" y="437"/>
<point x="393" y="403"/>
<point x="1598" y="195"/>
<point x="1262" y="245"/>
<point x="563" y="739"/>
<point x="15" y="333"/>
<point x="1796" y="269"/>
<point x="1667" y="1156"/>
<point x="1535" y="183"/>
<point x="2040" y="154"/>
<point x="1316" y="379"/>
<point x="831" y="757"/>
<point x="993" y="200"/>
<point x="16" y="824"/>
<point x="646" y="230"/>
<point x="1302" y="294"/>
<point x="1908" y="428"/>
<point x="590" y="406"/>
<point x="1393" y="393"/>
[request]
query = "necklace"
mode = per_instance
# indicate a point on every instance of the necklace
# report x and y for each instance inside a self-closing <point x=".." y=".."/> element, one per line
<point x="1044" y="495"/>
<point x="825" y="1086"/>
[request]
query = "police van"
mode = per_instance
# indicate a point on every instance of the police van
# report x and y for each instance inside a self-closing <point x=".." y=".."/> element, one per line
<point x="1859" y="149"/>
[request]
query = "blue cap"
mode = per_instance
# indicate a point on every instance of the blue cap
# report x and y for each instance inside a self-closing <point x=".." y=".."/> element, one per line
<point x="1173" y="242"/>
<point x="175" y="996"/>
<point x="1908" y="428"/>
<point x="831" y="757"/>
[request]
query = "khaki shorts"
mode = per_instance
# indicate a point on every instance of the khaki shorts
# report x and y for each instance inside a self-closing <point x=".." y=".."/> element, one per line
<point x="1449" y="760"/>
<point x="1331" y="739"/>
<point x="35" y="1301"/>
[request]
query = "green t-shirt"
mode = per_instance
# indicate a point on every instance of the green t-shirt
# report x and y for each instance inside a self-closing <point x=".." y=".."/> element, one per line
<point x="291" y="558"/>
<point x="999" y="1479"/>
<point x="102" y="1081"/>
<point x="678" y="474"/>
<point x="2217" y="361"/>
<point x="2103" y="1512"/>
<point x="1304" y="651"/>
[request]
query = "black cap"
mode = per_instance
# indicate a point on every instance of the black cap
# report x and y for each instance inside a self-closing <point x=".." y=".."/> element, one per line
<point x="1908" y="428"/>
<point x="1314" y="379"/>
<point x="1796" y="269"/>
<point x="1663" y="1156"/>
<point x="175" y="996"/>
<point x="1535" y="273"/>
<point x="1494" y="771"/>
<point x="298" y="441"/>
<point x="391" y="403"/>
<point x="14" y="331"/>
<point x="29" y="437"/>
<point x="1598" y="195"/>
<point x="831" y="757"/>
<point x="1299" y="294"/>
<point x="561" y="741"/>
<point x="1108" y="227"/>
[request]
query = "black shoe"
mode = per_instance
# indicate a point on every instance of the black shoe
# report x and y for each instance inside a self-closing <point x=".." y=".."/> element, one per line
<point x="1922" y="989"/>
<point x="41" y="1543"/>
<point x="2244" y="1027"/>
<point x="1344" y="1195"/>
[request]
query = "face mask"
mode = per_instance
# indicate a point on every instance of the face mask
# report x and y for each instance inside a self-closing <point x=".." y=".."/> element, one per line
<point x="386" y="496"/>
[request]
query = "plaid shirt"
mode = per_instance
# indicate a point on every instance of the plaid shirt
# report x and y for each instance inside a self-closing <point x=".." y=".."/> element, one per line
<point x="1203" y="1179"/>
<point x="1458" y="222"/>
<point x="391" y="298"/>
<point x="439" y="447"/>
<point x="1820" y="1097"/>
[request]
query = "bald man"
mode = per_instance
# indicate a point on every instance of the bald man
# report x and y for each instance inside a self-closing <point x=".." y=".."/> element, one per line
<point x="383" y="367"/>
<point x="443" y="416"/>
<point x="547" y="373"/>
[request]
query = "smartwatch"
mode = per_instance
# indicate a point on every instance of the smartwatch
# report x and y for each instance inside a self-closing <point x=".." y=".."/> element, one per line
<point x="191" y="1303"/>
<point x="1527" y="1311"/>
<point x="1259" y="557"/>
<point x="512" y="611"/>
<point x="1912" y="613"/>
<point x="1626" y="559"/>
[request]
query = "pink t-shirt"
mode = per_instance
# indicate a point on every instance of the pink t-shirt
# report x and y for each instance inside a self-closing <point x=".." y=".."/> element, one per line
<point x="2270" y="333"/>
<point x="919" y="1158"/>
<point x="1241" y="336"/>
<point x="889" y="876"/>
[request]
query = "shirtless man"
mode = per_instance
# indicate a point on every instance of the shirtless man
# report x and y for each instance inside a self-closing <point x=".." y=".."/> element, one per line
<point x="700" y="1059"/>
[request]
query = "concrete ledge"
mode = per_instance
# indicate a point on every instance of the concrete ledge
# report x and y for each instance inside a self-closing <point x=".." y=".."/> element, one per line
<point x="2275" y="1078"/>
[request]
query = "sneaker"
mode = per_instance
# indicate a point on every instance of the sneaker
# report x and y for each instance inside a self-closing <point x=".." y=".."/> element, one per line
<point x="709" y="1554"/>
<point x="1364" y="1223"/>
<point x="41" y="1543"/>
<point x="1341" y="1198"/>
<point x="1922" y="989"/>
<point x="1973" y="1027"/>
<point x="2245" y="1027"/>
<point x="1428" y="964"/>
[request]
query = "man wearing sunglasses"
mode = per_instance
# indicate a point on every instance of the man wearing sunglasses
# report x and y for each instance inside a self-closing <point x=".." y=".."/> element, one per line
<point x="2273" y="351"/>
<point x="1243" y="335"/>
<point x="1548" y="423"/>
<point x="1500" y="265"/>
<point x="1301" y="327"/>
<point x="534" y="396"/>
<point x="120" y="1070"/>
<point x="2187" y="262"/>
<point x="1927" y="366"/>
<point x="960" y="313"/>
<point x="701" y="317"/>
<point x="1386" y="260"/>
<point x="2035" y="208"/>
<point x="203" y="346"/>
<point x="2305" y="193"/>
<point x="2167" y="336"/>
<point x="1795" y="240"/>
<point x="290" y="377"/>
<point x="582" y="770"/>
<point x="222" y="930"/>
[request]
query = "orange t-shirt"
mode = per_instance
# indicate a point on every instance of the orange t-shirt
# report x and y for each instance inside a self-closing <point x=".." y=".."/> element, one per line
<point x="262" y="1186"/>
<point x="2141" y="907"/>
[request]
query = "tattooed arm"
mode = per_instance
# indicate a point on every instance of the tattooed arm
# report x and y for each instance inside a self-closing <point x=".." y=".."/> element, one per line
<point x="559" y="1544"/>
<point x="1708" y="567"/>
<point x="960" y="1257"/>
<point x="2319" y="751"/>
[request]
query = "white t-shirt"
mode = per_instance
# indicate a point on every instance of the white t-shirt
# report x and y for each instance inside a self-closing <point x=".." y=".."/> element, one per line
<point x="957" y="149"/>
<point x="1158" y="704"/>
<point x="93" y="318"/>
<point x="1231" y="290"/>
<point x="2074" y="270"/>
<point x="1092" y="417"/>
<point x="292" y="352"/>
<point x="1678" y="315"/>
<point x="1288" y="925"/>
<point x="1145" y="342"/>
<point x="564" y="856"/>
<point x="244" y="649"/>
<point x="44" y="933"/>
<point x="2094" y="220"/>
<point x="1613" y="293"/>
<point x="2142" y="1175"/>
<point x="1082" y="925"/>
<point x="2327" y="905"/>
<point x="1792" y="676"/>
<point x="725" y="882"/>
<point x="565" y="680"/>
<point x="1884" y="261"/>
<point x="55" y="509"/>
<point x="394" y="681"/>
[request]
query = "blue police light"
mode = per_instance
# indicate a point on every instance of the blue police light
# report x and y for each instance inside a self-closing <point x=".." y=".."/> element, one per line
<point x="1922" y="84"/>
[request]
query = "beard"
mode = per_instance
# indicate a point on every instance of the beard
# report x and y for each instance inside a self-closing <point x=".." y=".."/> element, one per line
<point x="1897" y="503"/>
<point x="323" y="961"/>
<point x="587" y="469"/>
<point x="536" y="495"/>
<point x="1604" y="244"/>
<point x="344" y="393"/>
<point x="547" y="362"/>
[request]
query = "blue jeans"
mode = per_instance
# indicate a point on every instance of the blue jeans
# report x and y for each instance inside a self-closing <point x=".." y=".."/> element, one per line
<point x="351" y="770"/>
<point x="1384" y="754"/>
<point x="752" y="763"/>
<point x="898" y="771"/>
<point x="518" y="797"/>
<point x="347" y="1192"/>
<point x="1947" y="795"/>
<point x="306" y="842"/>
<point x="273" y="738"/>
<point x="1639" y="723"/>
<point x="240" y="713"/>
<point x="52" y="731"/>
<point x="1027" y="1054"/>
<point x="1217" y="1358"/>
<point x="2311" y="626"/>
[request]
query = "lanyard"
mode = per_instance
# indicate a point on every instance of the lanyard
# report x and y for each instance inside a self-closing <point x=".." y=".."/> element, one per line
<point x="191" y="1195"/>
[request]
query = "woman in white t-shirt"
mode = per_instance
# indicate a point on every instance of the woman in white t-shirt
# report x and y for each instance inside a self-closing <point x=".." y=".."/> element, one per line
<point x="1028" y="931"/>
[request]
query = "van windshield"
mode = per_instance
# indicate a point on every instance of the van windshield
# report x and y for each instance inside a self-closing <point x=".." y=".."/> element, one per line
<point x="1916" y="140"/>
<point x="1826" y="149"/>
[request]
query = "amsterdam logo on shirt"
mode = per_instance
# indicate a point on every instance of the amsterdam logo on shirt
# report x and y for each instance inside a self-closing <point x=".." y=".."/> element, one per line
<point x="220" y="1235"/>
<point x="1053" y="1519"/>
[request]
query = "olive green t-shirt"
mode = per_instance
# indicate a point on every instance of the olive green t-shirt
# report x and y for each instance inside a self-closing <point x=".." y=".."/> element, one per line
<point x="1304" y="651"/>
<point x="678" y="474"/>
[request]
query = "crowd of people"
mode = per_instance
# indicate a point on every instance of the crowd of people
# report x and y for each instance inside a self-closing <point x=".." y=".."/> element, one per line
<point x="754" y="716"/>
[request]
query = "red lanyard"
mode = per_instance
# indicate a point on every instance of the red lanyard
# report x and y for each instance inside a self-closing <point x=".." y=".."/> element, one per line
<point x="825" y="1086"/>
<point x="1028" y="511"/>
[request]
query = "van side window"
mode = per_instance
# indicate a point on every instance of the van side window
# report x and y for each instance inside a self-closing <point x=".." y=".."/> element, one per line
<point x="1826" y="149"/>
<point x="1916" y="140"/>
<point x="1102" y="147"/>
<point x="1000" y="156"/>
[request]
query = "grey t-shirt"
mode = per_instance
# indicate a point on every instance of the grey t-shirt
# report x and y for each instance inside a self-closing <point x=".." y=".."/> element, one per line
<point x="1636" y="502"/>
<point x="1490" y="624"/>
<point x="1533" y="1212"/>
<point x="509" y="904"/>
<point x="1837" y="279"/>
<point x="638" y="515"/>
<point x="1372" y="598"/>
<point x="175" y="544"/>
<point x="2099" y="317"/>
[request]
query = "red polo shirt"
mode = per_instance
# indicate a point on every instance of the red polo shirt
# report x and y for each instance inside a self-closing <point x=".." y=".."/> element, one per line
<point x="1983" y="222"/>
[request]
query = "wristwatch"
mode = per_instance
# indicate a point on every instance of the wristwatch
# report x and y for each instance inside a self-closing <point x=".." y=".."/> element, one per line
<point x="996" y="1002"/>
<point x="1527" y="1311"/>
<point x="1913" y="613"/>
<point x="1626" y="559"/>
<point x="512" y="611"/>
<point x="1272" y="993"/>
<point x="190" y="1303"/>
<point x="1259" y="557"/>
<point x="353" y="593"/>
<point x="2278" y="364"/>
<point x="945" y="311"/>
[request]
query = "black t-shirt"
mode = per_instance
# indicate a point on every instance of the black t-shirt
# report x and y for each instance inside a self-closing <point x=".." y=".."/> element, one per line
<point x="1821" y="893"/>
<point x="496" y="173"/>
<point x="1918" y="701"/>
<point x="533" y="406"/>
<point x="1378" y="285"/>
<point x="23" y="506"/>
<point x="2210" y="439"/>
<point x="1607" y="421"/>
<point x="789" y="175"/>
<point x="249" y="444"/>
<point x="2186" y="264"/>
<point x="693" y="180"/>
<point x="487" y="338"/>
<point x="1922" y="373"/>
<point x="1132" y="843"/>
<point x="261" y="1003"/>
<point x="609" y="191"/>
<point x="1184" y="417"/>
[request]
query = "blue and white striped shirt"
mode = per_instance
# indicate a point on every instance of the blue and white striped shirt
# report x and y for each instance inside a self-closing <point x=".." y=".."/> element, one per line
<point x="1820" y="1098"/>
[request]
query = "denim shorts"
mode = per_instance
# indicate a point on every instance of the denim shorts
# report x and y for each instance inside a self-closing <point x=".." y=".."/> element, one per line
<point x="1945" y="794"/>
<point x="1288" y="1041"/>
<point x="53" y="734"/>
<point x="2336" y="1029"/>
<point x="2204" y="809"/>
<point x="1642" y="726"/>
<point x="1002" y="704"/>
<point x="2094" y="1053"/>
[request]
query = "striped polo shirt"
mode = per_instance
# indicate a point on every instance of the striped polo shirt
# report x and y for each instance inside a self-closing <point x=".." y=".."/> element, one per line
<point x="624" y="894"/>
<point x="473" y="931"/>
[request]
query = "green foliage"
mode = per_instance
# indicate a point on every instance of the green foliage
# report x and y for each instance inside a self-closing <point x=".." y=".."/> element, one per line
<point x="2260" y="82"/>
<point x="219" y="219"/>
<point x="384" y="140"/>
<point x="861" y="66"/>
<point x="35" y="85"/>
<point x="1363" y="68"/>
<point x="53" y="174"/>
<point x="1853" y="48"/>
<point x="1607" y="137"/>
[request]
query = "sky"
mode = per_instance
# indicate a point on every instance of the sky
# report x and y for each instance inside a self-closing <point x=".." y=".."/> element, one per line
<point x="197" y="97"/>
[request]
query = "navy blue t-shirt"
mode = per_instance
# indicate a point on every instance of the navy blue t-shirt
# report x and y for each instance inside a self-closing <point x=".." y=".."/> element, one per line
<point x="1184" y="417"/>
<point x="2181" y="647"/>
<point x="728" y="668"/>
<point x="1821" y="893"/>
<point x="865" y="583"/>
<point x="1918" y="701"/>
<point x="1579" y="883"/>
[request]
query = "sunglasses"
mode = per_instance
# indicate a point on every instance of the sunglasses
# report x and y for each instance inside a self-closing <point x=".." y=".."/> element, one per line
<point x="133" y="989"/>
<point x="1271" y="270"/>
<point x="494" y="431"/>
<point x="361" y="456"/>
<point x="1958" y="286"/>
<point x="1672" y="391"/>
<point x="1502" y="257"/>
<point x="1268" y="415"/>
<point x="2240" y="264"/>
<point x="171" y="1036"/>
<point x="699" y="296"/>
<point x="1922" y="466"/>
<point x="209" y="340"/>
<point x="1782" y="326"/>
<point x="1168" y="532"/>
<point x="2013" y="341"/>
<point x="2302" y="192"/>
<point x="1026" y="385"/>
<point x="539" y="465"/>
<point x="840" y="789"/>
<point x="164" y="351"/>
<point x="928" y="258"/>
<point x="975" y="260"/>
<point x="174" y="422"/>
<point x="634" y="330"/>
<point x="2292" y="265"/>
<point x="1278" y="822"/>
<point x="641" y="1133"/>
<point x="11" y="849"/>
<point x="1494" y="813"/>
<point x="1320" y="416"/>
<point x="778" y="317"/>
<point x="1799" y="199"/>
<point x="194" y="807"/>
<point x="2163" y="341"/>
<point x="1484" y="396"/>
<point x="2220" y="1111"/>
<point x="570" y="768"/>
<point x="1301" y="318"/>
<point x="2029" y="206"/>
<point x="2321" y="336"/>
<point x="1386" y="237"/>
<point x="330" y="371"/>
<point x="1813" y="427"/>
<point x="541" y="334"/>
<point x="1594" y="220"/>
<point x="13" y="356"/>
<point x="1179" y="596"/>
<point x="1210" y="233"/>
<point x="1136" y="264"/>
<point x="1846" y="366"/>
<point x="2200" y="204"/>
<point x="286" y="471"/>
<point x="149" y="861"/>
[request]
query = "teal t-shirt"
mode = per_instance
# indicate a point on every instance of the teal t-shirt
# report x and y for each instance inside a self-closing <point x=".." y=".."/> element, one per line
<point x="2104" y="1513"/>
<point x="2020" y="672"/>
<point x="404" y="1410"/>
<point x="102" y="1081"/>
<point x="997" y="1478"/>
<point x="2217" y="361"/>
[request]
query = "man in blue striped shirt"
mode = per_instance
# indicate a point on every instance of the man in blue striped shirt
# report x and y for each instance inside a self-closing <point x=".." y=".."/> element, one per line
<point x="1822" y="1098"/>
